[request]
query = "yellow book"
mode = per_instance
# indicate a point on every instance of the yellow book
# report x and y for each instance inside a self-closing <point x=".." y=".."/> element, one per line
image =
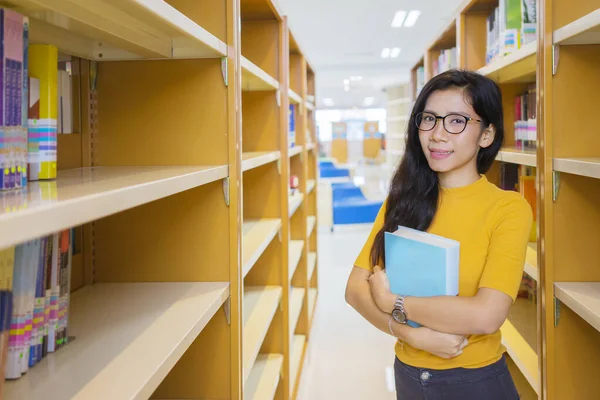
<point x="42" y="122"/>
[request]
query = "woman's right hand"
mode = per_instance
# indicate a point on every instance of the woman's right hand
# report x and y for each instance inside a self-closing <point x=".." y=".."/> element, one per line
<point x="443" y="345"/>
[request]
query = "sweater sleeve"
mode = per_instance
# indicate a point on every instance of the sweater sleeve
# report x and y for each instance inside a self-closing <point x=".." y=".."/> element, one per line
<point x="364" y="257"/>
<point x="503" y="270"/>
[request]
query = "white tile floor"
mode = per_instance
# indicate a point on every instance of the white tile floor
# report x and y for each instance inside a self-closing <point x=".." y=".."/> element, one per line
<point x="347" y="358"/>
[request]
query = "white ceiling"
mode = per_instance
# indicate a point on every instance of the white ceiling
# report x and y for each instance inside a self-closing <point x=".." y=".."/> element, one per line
<point x="343" y="38"/>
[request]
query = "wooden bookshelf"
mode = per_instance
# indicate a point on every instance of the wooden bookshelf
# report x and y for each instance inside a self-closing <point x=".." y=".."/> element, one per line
<point x="82" y="195"/>
<point x="168" y="318"/>
<point x="176" y="237"/>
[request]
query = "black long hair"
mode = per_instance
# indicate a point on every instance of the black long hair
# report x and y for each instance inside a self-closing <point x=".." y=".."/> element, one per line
<point x="414" y="191"/>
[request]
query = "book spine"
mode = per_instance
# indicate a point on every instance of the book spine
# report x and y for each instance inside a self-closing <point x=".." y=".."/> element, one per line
<point x="43" y="65"/>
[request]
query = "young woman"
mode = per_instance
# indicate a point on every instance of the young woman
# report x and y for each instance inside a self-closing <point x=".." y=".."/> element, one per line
<point x="454" y="134"/>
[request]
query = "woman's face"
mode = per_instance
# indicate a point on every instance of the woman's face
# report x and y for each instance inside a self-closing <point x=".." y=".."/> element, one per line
<point x="453" y="156"/>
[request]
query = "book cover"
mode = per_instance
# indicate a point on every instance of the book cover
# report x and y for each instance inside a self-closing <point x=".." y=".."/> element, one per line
<point x="421" y="264"/>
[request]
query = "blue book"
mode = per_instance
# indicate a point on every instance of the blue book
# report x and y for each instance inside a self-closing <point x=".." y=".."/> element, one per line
<point x="421" y="264"/>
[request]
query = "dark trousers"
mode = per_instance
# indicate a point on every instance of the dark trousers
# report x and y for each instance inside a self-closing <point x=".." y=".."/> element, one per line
<point x="492" y="382"/>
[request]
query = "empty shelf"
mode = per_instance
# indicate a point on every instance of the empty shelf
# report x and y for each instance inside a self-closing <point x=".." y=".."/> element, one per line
<point x="260" y="305"/>
<point x="82" y="195"/>
<point x="309" y="106"/>
<point x="255" y="79"/>
<point x="297" y="352"/>
<point x="294" y="97"/>
<point x="294" y="151"/>
<point x="310" y="185"/>
<point x="581" y="297"/>
<point x="257" y="235"/>
<point x="584" y="166"/>
<point x="296" y="301"/>
<point x="585" y="30"/>
<point x="312" y="263"/>
<point x="531" y="261"/>
<point x="295" y="202"/>
<point x="128" y="337"/>
<point x="118" y="29"/>
<point x="311" y="146"/>
<point x="295" y="254"/>
<point x="256" y="159"/>
<point x="521" y="353"/>
<point x="515" y="156"/>
<point x="311" y="221"/>
<point x="519" y="66"/>
<point x="264" y="378"/>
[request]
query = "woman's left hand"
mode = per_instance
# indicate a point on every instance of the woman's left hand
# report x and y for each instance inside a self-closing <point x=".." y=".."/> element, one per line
<point x="380" y="290"/>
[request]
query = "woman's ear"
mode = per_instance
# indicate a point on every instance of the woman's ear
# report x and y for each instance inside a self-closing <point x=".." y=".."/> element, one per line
<point x="487" y="137"/>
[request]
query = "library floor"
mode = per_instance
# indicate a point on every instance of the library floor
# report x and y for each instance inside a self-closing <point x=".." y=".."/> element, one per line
<point x="347" y="358"/>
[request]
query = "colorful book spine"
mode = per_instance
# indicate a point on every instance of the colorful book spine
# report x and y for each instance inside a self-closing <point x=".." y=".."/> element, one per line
<point x="54" y="294"/>
<point x="6" y="306"/>
<point x="42" y="139"/>
<point x="14" y="35"/>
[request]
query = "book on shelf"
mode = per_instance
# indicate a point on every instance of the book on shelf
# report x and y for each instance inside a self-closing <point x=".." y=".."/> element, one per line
<point x="421" y="264"/>
<point x="525" y="124"/>
<point x="446" y="60"/>
<point x="14" y="37"/>
<point x="40" y="290"/>
<point x="510" y="26"/>
<point x="43" y="124"/>
<point x="292" y="126"/>
<point x="6" y="304"/>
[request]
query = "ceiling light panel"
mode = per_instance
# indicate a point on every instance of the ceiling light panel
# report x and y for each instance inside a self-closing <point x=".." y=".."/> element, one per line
<point x="398" y="19"/>
<point x="411" y="19"/>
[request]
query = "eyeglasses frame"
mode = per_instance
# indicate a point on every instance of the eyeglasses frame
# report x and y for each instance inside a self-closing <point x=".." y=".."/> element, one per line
<point x="443" y="118"/>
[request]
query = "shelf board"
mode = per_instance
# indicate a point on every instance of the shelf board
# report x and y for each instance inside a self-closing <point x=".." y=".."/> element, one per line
<point x="260" y="305"/>
<point x="311" y="221"/>
<point x="295" y="254"/>
<point x="294" y="97"/>
<point x="585" y="30"/>
<point x="118" y="29"/>
<point x="255" y="79"/>
<point x="255" y="159"/>
<point x="311" y="146"/>
<point x="264" y="378"/>
<point x="310" y="185"/>
<point x="516" y="156"/>
<point x="309" y="106"/>
<point x="297" y="350"/>
<point x="294" y="202"/>
<point x="257" y="235"/>
<point x="581" y="297"/>
<point x="584" y="166"/>
<point x="522" y="354"/>
<point x="296" y="301"/>
<point x="294" y="151"/>
<point x="531" y="261"/>
<point x="312" y="302"/>
<point x="82" y="195"/>
<point x="312" y="263"/>
<point x="519" y="66"/>
<point x="115" y="325"/>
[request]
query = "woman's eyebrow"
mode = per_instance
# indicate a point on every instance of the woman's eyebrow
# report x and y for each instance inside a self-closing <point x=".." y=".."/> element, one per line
<point x="450" y="112"/>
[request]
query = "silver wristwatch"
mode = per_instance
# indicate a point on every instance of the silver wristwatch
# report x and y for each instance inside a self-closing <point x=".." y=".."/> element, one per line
<point x="398" y="313"/>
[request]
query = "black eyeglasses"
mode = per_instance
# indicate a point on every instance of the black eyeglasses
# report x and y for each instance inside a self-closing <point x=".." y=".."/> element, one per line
<point x="453" y="123"/>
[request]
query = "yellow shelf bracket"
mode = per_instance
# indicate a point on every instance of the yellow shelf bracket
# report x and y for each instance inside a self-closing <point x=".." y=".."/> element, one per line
<point x="555" y="184"/>
<point x="224" y="70"/>
<point x="555" y="54"/>
<point x="556" y="311"/>
<point x="226" y="190"/>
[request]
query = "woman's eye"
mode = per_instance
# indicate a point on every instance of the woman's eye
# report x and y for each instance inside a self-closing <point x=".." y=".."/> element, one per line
<point x="429" y="118"/>
<point x="457" y="121"/>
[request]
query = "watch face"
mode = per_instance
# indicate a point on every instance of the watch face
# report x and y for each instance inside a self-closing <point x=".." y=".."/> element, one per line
<point x="399" y="316"/>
